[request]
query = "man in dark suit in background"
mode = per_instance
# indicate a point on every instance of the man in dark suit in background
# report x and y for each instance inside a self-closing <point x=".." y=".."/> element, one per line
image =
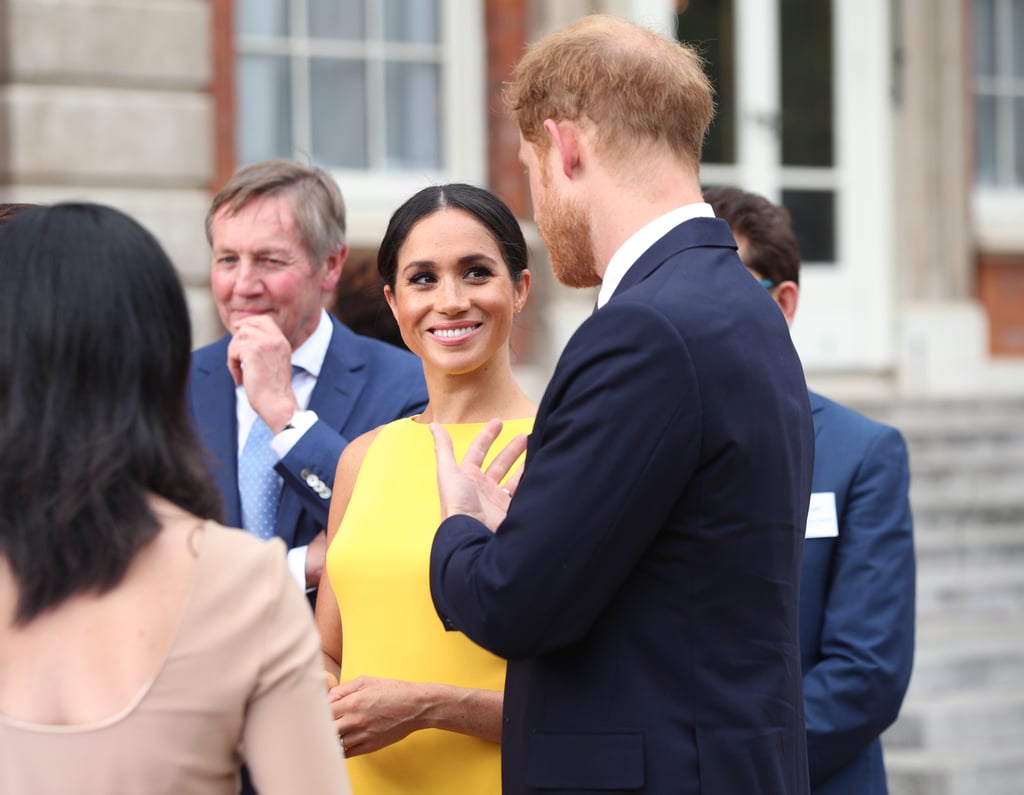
<point x="277" y="399"/>
<point x="644" y="583"/>
<point x="858" y="583"/>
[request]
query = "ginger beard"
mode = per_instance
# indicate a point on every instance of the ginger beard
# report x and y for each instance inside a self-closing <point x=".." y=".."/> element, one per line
<point x="564" y="228"/>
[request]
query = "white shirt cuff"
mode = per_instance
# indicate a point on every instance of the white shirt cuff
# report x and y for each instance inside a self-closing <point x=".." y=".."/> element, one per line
<point x="300" y="422"/>
<point x="297" y="566"/>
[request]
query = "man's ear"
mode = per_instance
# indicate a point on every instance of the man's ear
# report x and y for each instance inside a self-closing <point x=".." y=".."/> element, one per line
<point x="787" y="296"/>
<point x="565" y="137"/>
<point x="332" y="268"/>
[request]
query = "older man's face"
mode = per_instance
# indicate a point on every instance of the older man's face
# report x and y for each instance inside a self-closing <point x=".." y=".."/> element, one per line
<point x="261" y="267"/>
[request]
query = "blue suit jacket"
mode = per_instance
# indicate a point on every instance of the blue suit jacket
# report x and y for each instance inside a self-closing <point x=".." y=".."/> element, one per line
<point x="644" y="585"/>
<point x="856" y="601"/>
<point x="363" y="383"/>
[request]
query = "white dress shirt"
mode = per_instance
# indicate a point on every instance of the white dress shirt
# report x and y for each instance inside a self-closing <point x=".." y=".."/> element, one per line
<point x="641" y="240"/>
<point x="309" y="356"/>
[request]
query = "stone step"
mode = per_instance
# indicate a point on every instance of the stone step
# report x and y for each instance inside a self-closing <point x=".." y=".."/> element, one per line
<point x="915" y="416"/>
<point x="966" y="769"/>
<point x="1006" y="489"/>
<point x="996" y="479"/>
<point x="953" y="631"/>
<point x="946" y="548"/>
<point x="973" y="664"/>
<point x="936" y="463"/>
<point x="995" y="589"/>
<point x="965" y="716"/>
<point x="947" y="508"/>
<point x="995" y="435"/>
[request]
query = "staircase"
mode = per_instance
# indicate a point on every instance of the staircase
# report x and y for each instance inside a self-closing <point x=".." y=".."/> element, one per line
<point x="961" y="729"/>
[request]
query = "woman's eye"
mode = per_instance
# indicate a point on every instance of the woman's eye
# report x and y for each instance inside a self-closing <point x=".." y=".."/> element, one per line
<point x="423" y="277"/>
<point x="479" y="273"/>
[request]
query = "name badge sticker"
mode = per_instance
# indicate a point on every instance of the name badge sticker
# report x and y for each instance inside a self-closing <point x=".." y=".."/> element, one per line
<point x="821" y="515"/>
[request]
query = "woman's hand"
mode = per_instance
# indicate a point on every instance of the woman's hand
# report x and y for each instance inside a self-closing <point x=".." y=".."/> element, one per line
<point x="371" y="713"/>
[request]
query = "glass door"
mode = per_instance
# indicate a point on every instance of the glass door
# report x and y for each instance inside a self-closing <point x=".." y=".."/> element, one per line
<point x="804" y="119"/>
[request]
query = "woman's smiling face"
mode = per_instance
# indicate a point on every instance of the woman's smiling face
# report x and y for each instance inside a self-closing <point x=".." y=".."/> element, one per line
<point x="454" y="298"/>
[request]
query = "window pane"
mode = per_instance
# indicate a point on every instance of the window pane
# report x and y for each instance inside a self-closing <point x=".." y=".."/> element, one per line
<point x="337" y="19"/>
<point x="985" y="139"/>
<point x="413" y="122"/>
<point x="261" y="17"/>
<point x="813" y="213"/>
<point x="1018" y="153"/>
<point x="806" y="32"/>
<point x="709" y="27"/>
<point x="1018" y="41"/>
<point x="984" y="38"/>
<point x="411" y="20"/>
<point x="264" y="108"/>
<point x="338" y="99"/>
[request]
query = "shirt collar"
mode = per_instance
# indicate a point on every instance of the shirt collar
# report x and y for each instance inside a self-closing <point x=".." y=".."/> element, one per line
<point x="641" y="240"/>
<point x="310" y="355"/>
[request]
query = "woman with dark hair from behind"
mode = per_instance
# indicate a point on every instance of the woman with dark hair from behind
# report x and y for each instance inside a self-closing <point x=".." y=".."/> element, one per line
<point x="124" y="607"/>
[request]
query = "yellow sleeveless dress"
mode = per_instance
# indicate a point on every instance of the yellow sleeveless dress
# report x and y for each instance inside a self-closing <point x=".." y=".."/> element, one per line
<point x="378" y="564"/>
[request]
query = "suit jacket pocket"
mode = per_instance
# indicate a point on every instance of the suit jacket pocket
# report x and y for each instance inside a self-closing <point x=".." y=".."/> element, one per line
<point x="601" y="761"/>
<point x="743" y="761"/>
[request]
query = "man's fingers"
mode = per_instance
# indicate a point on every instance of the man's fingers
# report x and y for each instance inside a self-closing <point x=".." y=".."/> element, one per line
<point x="477" y="451"/>
<point x="512" y="483"/>
<point x="443" y="448"/>
<point x="235" y="367"/>
<point x="505" y="460"/>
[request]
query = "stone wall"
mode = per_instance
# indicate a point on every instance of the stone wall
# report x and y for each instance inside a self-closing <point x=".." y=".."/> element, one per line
<point x="108" y="101"/>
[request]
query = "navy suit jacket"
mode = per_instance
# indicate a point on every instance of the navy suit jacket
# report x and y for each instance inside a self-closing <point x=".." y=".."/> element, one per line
<point x="363" y="383"/>
<point x="644" y="585"/>
<point x="856" y="601"/>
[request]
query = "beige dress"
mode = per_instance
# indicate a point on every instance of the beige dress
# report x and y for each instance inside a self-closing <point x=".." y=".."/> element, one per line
<point x="243" y="672"/>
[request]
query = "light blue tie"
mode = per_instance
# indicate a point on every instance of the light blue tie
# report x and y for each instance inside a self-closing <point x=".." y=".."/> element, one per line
<point x="258" y="485"/>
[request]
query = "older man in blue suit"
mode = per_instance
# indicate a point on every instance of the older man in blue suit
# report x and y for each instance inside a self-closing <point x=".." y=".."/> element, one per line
<point x="644" y="582"/>
<point x="857" y="590"/>
<point x="278" y="398"/>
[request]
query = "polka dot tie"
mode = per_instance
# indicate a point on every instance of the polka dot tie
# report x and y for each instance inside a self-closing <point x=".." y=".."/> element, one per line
<point x="258" y="485"/>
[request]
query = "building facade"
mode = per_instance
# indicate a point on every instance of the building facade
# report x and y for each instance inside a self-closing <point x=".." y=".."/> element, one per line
<point x="892" y="129"/>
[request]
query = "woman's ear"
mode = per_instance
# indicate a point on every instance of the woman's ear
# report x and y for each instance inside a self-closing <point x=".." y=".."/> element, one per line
<point x="389" y="296"/>
<point x="522" y="291"/>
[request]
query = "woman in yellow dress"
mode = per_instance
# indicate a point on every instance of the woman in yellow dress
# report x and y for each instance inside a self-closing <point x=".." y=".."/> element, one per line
<point x="418" y="709"/>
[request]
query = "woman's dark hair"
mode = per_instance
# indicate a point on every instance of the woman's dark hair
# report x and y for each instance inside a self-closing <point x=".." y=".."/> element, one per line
<point x="94" y="355"/>
<point x="483" y="205"/>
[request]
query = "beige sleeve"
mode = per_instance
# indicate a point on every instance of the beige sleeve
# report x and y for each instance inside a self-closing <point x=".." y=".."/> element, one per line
<point x="289" y="742"/>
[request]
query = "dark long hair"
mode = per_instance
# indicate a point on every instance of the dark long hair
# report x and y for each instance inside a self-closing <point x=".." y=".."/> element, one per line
<point x="94" y="356"/>
<point x="483" y="205"/>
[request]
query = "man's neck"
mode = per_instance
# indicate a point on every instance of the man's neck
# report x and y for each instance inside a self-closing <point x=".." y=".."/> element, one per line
<point x="622" y="213"/>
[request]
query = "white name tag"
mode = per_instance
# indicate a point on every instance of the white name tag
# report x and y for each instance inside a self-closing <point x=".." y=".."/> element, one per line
<point x="821" y="515"/>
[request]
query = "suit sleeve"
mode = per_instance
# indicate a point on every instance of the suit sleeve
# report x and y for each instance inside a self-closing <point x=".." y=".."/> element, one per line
<point x="615" y="442"/>
<point x="856" y="688"/>
<point x="310" y="466"/>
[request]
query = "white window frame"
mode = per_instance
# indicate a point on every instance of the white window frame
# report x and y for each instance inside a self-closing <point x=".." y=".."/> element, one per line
<point x="371" y="195"/>
<point x="846" y="320"/>
<point x="997" y="209"/>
